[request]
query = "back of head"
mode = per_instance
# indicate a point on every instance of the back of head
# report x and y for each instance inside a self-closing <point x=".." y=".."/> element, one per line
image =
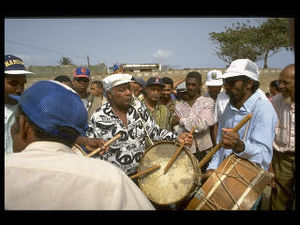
<point x="51" y="107"/>
<point x="62" y="78"/>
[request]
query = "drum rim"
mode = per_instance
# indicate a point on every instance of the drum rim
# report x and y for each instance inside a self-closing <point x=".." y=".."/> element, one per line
<point x="195" y="165"/>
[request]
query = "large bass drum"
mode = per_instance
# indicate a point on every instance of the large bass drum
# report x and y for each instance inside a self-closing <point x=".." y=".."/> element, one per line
<point x="175" y="188"/>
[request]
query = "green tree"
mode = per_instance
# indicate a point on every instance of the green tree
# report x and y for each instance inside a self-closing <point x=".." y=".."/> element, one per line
<point x="252" y="42"/>
<point x="65" y="61"/>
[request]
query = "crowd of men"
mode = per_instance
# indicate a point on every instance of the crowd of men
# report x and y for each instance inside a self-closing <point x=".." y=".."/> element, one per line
<point x="45" y="121"/>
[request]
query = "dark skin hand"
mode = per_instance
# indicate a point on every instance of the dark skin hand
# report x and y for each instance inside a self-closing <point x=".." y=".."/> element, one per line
<point x="230" y="140"/>
<point x="92" y="144"/>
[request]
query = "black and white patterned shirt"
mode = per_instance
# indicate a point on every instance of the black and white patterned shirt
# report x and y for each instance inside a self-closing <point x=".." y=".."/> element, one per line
<point x="126" y="152"/>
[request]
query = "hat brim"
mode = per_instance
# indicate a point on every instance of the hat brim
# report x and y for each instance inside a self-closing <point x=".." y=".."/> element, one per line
<point x="16" y="72"/>
<point x="236" y="74"/>
<point x="81" y="76"/>
<point x="15" y="97"/>
<point x="214" y="83"/>
<point x="118" y="83"/>
<point x="163" y="85"/>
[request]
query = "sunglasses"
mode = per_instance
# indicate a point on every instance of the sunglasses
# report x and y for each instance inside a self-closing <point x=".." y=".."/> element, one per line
<point x="84" y="79"/>
<point x="232" y="80"/>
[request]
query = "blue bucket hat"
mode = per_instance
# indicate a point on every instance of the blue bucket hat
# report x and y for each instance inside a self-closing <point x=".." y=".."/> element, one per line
<point x="50" y="104"/>
<point x="14" y="65"/>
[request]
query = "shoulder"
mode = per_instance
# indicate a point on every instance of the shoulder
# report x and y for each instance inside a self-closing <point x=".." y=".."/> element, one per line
<point x="205" y="101"/>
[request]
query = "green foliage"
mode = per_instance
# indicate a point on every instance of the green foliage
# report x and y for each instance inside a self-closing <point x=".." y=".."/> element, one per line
<point x="252" y="42"/>
<point x="65" y="61"/>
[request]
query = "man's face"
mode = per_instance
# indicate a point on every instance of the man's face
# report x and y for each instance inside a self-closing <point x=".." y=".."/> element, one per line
<point x="287" y="83"/>
<point x="95" y="90"/>
<point x="136" y="88"/>
<point x="153" y="92"/>
<point x="14" y="84"/>
<point x="235" y="89"/>
<point x="166" y="91"/>
<point x="80" y="84"/>
<point x="214" y="91"/>
<point x="192" y="86"/>
<point x="120" y="96"/>
<point x="16" y="133"/>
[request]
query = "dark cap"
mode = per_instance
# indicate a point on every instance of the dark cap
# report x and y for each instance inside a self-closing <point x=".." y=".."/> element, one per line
<point x="154" y="81"/>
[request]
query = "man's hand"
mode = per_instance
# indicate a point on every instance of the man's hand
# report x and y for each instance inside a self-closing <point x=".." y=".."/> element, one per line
<point x="186" y="138"/>
<point x="231" y="140"/>
<point x="206" y="175"/>
<point x="175" y="120"/>
<point x="92" y="144"/>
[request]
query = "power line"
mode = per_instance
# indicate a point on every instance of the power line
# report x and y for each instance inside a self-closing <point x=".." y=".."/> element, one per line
<point x="44" y="49"/>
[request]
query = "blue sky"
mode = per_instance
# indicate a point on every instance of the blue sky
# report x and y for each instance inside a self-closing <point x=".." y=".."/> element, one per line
<point x="179" y="42"/>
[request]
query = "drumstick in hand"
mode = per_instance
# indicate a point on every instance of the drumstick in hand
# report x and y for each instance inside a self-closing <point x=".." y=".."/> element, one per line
<point x="106" y="144"/>
<point x="219" y="145"/>
<point x="145" y="171"/>
<point x="177" y="152"/>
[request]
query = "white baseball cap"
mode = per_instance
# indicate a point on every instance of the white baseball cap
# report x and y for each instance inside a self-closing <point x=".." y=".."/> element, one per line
<point x="116" y="79"/>
<point x="213" y="78"/>
<point x="241" y="67"/>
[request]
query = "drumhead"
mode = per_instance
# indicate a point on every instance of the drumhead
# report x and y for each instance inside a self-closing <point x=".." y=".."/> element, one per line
<point x="177" y="182"/>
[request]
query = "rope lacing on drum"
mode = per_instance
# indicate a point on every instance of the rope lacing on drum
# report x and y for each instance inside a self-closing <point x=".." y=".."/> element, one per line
<point x="239" y="177"/>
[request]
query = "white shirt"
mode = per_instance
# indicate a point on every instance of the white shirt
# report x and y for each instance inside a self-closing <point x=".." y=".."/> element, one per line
<point x="284" y="140"/>
<point x="49" y="175"/>
<point x="9" y="119"/>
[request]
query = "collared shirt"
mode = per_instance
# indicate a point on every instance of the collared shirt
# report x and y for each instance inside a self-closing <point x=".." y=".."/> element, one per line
<point x="200" y="115"/>
<point x="223" y="99"/>
<point x="161" y="115"/>
<point x="49" y="175"/>
<point x="285" y="128"/>
<point x="9" y="120"/>
<point x="257" y="134"/>
<point x="127" y="151"/>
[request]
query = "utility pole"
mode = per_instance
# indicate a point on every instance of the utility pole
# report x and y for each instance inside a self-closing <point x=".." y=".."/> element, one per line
<point x="88" y="60"/>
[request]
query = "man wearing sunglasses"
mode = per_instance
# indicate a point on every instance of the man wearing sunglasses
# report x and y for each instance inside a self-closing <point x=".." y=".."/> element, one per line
<point x="254" y="140"/>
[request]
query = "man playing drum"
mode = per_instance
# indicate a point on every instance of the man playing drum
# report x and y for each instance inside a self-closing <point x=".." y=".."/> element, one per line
<point x="122" y="114"/>
<point x="254" y="140"/>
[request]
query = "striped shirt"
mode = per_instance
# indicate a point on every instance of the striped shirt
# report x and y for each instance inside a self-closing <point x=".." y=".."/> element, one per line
<point x="285" y="128"/>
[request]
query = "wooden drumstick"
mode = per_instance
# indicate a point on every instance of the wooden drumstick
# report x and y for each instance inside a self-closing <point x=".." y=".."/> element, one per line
<point x="176" y="153"/>
<point x="106" y="144"/>
<point x="150" y="169"/>
<point x="219" y="145"/>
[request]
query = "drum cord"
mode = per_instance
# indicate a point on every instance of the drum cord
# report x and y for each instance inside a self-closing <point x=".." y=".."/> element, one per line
<point x="134" y="106"/>
<point x="243" y="180"/>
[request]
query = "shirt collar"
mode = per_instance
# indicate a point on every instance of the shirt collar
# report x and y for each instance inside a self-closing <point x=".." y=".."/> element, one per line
<point x="249" y="103"/>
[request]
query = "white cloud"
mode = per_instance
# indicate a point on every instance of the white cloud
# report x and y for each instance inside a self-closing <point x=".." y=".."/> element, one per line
<point x="162" y="54"/>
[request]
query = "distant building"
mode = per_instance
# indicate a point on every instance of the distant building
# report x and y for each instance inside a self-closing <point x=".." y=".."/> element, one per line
<point x="144" y="67"/>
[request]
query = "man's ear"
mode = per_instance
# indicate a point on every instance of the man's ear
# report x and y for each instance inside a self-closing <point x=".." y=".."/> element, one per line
<point x="108" y="93"/>
<point x="25" y="128"/>
<point x="250" y="84"/>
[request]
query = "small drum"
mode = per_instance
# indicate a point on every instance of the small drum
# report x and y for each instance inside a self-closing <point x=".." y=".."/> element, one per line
<point x="177" y="184"/>
<point x="78" y="150"/>
<point x="235" y="185"/>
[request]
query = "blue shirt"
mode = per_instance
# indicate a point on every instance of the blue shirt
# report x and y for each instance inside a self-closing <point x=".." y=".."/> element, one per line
<point x="257" y="134"/>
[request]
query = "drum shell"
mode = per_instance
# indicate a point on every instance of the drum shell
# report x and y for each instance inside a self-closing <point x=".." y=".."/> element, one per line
<point x="235" y="185"/>
<point x="178" y="183"/>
